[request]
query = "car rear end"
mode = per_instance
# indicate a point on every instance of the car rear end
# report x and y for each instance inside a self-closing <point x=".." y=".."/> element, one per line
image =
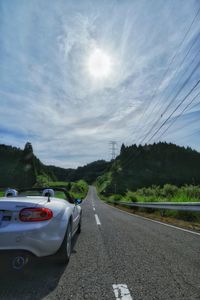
<point x="32" y="225"/>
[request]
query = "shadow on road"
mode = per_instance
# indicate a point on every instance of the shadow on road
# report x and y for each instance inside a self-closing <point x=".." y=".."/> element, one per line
<point x="37" y="280"/>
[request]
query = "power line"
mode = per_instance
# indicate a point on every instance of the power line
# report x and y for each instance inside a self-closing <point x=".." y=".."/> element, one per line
<point x="178" y="116"/>
<point x="193" y="106"/>
<point x="168" y="118"/>
<point x="186" y="125"/>
<point x="182" y="101"/>
<point x="171" y="61"/>
<point x="172" y="91"/>
<point x="180" y="65"/>
<point x="172" y="100"/>
<point x="192" y="134"/>
<point x="183" y="85"/>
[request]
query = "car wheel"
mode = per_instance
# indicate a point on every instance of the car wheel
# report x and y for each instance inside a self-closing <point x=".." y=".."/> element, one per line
<point x="65" y="249"/>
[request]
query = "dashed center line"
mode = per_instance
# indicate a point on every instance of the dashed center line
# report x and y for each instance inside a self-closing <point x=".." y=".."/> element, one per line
<point x="93" y="208"/>
<point x="121" y="292"/>
<point x="97" y="219"/>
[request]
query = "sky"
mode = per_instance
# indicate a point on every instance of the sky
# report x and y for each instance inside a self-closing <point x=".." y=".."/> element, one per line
<point x="75" y="75"/>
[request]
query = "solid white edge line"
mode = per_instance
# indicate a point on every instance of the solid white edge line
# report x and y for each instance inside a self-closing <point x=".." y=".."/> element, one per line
<point x="97" y="219"/>
<point x="148" y="219"/>
<point x="121" y="292"/>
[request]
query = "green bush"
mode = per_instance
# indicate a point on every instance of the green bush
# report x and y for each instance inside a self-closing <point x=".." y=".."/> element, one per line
<point x="130" y="197"/>
<point x="116" y="197"/>
<point x="191" y="191"/>
<point x="169" y="191"/>
<point x="79" y="189"/>
<point x="42" y="181"/>
<point x="61" y="184"/>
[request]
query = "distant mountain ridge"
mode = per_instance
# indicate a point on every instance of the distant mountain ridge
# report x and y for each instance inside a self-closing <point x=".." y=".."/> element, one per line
<point x="89" y="172"/>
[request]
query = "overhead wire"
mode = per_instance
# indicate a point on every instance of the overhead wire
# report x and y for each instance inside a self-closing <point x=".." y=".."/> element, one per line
<point x="180" y="103"/>
<point x="185" y="82"/>
<point x="179" y="115"/>
<point x="172" y="60"/>
<point x="168" y="118"/>
<point x="173" y="99"/>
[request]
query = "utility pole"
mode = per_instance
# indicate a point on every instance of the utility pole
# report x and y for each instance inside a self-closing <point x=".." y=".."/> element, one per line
<point x="113" y="149"/>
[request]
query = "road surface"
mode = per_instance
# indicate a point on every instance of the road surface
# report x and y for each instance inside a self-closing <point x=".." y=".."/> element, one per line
<point x="117" y="256"/>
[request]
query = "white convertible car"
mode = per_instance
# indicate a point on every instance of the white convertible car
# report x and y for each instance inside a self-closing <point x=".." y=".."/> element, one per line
<point x="38" y="222"/>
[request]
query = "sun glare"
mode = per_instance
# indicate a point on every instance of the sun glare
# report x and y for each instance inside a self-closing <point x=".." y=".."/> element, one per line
<point x="99" y="64"/>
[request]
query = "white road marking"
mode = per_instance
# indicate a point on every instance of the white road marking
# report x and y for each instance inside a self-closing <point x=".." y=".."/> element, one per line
<point x="148" y="219"/>
<point x="93" y="208"/>
<point x="97" y="219"/>
<point x="121" y="292"/>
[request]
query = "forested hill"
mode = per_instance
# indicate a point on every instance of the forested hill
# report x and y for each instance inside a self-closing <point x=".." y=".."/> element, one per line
<point x="135" y="167"/>
<point x="21" y="168"/>
<point x="89" y="172"/>
<point x="157" y="164"/>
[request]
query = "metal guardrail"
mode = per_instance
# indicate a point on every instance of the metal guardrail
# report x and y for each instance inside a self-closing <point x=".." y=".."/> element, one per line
<point x="184" y="206"/>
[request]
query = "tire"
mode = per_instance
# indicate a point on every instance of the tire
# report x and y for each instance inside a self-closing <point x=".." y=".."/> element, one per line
<point x="65" y="249"/>
<point x="79" y="226"/>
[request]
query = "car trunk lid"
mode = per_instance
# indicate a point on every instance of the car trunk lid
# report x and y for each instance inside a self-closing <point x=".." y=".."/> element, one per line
<point x="10" y="207"/>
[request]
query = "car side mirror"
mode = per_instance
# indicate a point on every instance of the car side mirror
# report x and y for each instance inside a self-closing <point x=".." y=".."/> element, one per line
<point x="78" y="201"/>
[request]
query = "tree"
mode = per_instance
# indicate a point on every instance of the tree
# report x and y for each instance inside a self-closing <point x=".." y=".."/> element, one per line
<point x="28" y="152"/>
<point x="123" y="148"/>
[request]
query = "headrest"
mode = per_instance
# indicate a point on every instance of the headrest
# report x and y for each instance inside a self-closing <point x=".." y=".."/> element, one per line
<point x="11" y="193"/>
<point x="48" y="192"/>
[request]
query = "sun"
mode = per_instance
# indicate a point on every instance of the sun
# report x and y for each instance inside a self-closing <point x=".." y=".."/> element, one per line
<point x="99" y="64"/>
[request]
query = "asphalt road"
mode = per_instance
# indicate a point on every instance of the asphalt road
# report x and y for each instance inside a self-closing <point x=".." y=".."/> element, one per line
<point x="117" y="256"/>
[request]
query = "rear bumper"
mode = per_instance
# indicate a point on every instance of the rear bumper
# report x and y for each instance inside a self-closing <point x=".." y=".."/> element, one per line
<point x="41" y="239"/>
<point x="6" y="255"/>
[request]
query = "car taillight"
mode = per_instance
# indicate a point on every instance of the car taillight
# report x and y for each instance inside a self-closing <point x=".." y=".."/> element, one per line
<point x="35" y="214"/>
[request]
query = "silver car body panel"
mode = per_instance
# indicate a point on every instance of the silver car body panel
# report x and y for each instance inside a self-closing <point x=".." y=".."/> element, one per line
<point x="40" y="238"/>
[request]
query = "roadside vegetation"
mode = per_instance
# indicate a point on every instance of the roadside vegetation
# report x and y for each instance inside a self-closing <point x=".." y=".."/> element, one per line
<point x="167" y="193"/>
<point x="76" y="189"/>
<point x="79" y="189"/>
<point x="143" y="166"/>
